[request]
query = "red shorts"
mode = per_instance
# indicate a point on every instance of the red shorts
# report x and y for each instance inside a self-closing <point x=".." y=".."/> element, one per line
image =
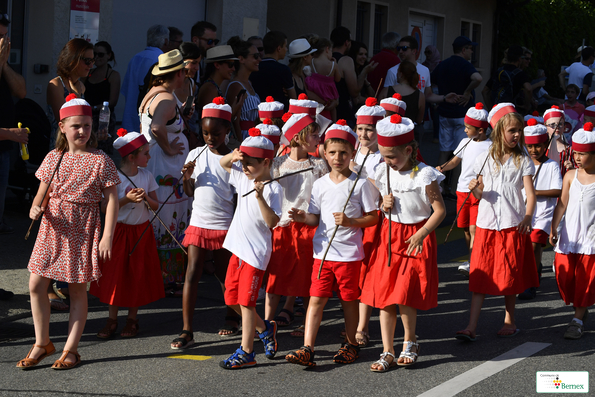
<point x="468" y="215"/>
<point x="242" y="283"/>
<point x="208" y="239"/>
<point x="342" y="277"/>
<point x="539" y="237"/>
<point x="574" y="275"/>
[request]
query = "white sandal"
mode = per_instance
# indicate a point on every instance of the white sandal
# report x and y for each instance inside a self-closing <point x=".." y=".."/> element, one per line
<point x="407" y="353"/>
<point x="385" y="364"/>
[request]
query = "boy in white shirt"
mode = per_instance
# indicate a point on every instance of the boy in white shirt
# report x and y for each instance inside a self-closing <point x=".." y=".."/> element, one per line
<point x="341" y="268"/>
<point x="249" y="240"/>
<point x="477" y="142"/>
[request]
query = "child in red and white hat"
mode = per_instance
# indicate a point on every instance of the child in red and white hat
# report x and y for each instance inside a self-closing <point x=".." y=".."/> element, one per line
<point x="343" y="257"/>
<point x="477" y="142"/>
<point x="590" y="114"/>
<point x="411" y="281"/>
<point x="535" y="115"/>
<point x="502" y="261"/>
<point x="575" y="251"/>
<point x="273" y="110"/>
<point x="249" y="240"/>
<point x="559" y="150"/>
<point x="548" y="185"/>
<point x="394" y="105"/>
<point x="290" y="267"/>
<point x="70" y="246"/>
<point x="269" y="130"/>
<point x="131" y="281"/>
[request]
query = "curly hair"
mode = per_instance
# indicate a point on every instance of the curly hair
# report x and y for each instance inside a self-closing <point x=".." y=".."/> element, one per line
<point x="71" y="55"/>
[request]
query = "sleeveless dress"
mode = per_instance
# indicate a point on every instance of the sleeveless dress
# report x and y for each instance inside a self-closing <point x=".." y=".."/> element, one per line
<point x="345" y="109"/>
<point x="249" y="111"/>
<point x="176" y="212"/>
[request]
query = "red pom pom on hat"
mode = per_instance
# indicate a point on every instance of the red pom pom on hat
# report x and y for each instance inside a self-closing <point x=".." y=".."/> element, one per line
<point x="270" y="99"/>
<point x="588" y="126"/>
<point x="122" y="131"/>
<point x="303" y="96"/>
<point x="397" y="96"/>
<point x="479" y="105"/>
<point x="254" y="132"/>
<point x="532" y="122"/>
<point x="535" y="113"/>
<point x="70" y="97"/>
<point x="371" y="101"/>
<point x="286" y="117"/>
<point x="555" y="107"/>
<point x="219" y="100"/>
<point x="396" y="119"/>
<point x="268" y="122"/>
<point x="341" y="122"/>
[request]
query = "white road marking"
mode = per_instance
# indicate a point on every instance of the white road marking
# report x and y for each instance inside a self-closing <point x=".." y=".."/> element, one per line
<point x="485" y="370"/>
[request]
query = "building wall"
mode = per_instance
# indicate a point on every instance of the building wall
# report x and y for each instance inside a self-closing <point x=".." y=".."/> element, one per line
<point x="295" y="18"/>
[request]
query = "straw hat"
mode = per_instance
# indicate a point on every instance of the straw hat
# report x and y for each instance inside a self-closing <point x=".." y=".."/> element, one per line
<point x="220" y="53"/>
<point x="300" y="48"/>
<point x="169" y="62"/>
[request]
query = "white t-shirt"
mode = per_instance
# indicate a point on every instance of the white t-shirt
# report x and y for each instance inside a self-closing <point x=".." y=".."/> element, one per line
<point x="412" y="204"/>
<point x="576" y="74"/>
<point x="502" y="205"/>
<point x="329" y="197"/>
<point x="468" y="156"/>
<point x="212" y="207"/>
<point x="549" y="178"/>
<point x="371" y="163"/>
<point x="249" y="237"/>
<point x="424" y="77"/>
<point x="135" y="213"/>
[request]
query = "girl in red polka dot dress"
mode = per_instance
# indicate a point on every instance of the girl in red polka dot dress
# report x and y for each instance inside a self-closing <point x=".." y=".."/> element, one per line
<point x="68" y="246"/>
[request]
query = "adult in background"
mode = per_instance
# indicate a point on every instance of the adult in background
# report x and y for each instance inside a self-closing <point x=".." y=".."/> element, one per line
<point x="432" y="60"/>
<point x="274" y="78"/>
<point x="138" y="67"/>
<point x="175" y="39"/>
<point x="257" y="42"/>
<point x="204" y="35"/>
<point x="192" y="56"/>
<point x="162" y="125"/>
<point x="386" y="58"/>
<point x="359" y="53"/>
<point x="408" y="78"/>
<point x="103" y="85"/>
<point x="580" y="73"/>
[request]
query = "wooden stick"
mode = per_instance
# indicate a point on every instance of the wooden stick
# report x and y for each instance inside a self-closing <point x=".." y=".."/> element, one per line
<point x="280" y="177"/>
<point x="162" y="205"/>
<point x="344" y="208"/>
<point x="455" y="155"/>
<point x="390" y="213"/>
<point x="378" y="89"/>
<point x="45" y="193"/>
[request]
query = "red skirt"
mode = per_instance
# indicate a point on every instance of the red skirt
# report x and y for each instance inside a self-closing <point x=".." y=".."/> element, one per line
<point x="130" y="281"/>
<point x="370" y="241"/>
<point x="575" y="275"/>
<point x="502" y="262"/>
<point x="290" y="267"/>
<point x="410" y="280"/>
<point x="208" y="239"/>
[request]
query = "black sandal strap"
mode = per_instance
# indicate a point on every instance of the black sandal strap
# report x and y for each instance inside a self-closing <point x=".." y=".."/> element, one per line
<point x="290" y="314"/>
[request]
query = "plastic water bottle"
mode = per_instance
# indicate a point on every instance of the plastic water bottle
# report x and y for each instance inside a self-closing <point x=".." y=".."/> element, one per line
<point x="104" y="115"/>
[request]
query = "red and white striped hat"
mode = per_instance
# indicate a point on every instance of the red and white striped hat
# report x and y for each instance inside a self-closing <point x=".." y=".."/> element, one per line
<point x="395" y="131"/>
<point x="590" y="111"/>
<point x="477" y="116"/>
<point x="257" y="145"/>
<point x="75" y="107"/>
<point x="584" y="139"/>
<point x="303" y="105"/>
<point x="270" y="131"/>
<point x="498" y="111"/>
<point x="294" y="123"/>
<point x="270" y="109"/>
<point x="394" y="104"/>
<point x="370" y="113"/>
<point x="128" y="142"/>
<point x="217" y="109"/>
<point x="554" y="111"/>
<point x="535" y="133"/>
<point x="341" y="130"/>
<point x="535" y="115"/>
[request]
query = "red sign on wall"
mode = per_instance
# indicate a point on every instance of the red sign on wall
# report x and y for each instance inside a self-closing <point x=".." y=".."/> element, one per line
<point x="84" y="5"/>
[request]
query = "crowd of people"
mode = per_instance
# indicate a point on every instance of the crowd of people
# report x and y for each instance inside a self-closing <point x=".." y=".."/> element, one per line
<point x="305" y="180"/>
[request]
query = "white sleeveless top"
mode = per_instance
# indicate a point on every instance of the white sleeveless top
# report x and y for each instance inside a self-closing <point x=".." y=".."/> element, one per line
<point x="577" y="232"/>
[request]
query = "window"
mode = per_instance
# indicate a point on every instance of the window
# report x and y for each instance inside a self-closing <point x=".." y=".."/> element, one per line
<point x="371" y="23"/>
<point x="472" y="30"/>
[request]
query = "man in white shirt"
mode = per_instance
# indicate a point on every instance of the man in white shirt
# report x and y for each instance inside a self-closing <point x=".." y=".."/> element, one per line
<point x="579" y="73"/>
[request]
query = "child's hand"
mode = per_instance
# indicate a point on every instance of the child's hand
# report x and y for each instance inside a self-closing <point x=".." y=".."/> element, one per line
<point x="525" y="226"/>
<point x="416" y="242"/>
<point x="237" y="156"/>
<point x="35" y="212"/>
<point x="387" y="202"/>
<point x="553" y="237"/>
<point x="188" y="170"/>
<point x="105" y="249"/>
<point x="439" y="168"/>
<point x="258" y="189"/>
<point x="135" y="195"/>
<point x="297" y="216"/>
<point x="341" y="219"/>
<point x="473" y="184"/>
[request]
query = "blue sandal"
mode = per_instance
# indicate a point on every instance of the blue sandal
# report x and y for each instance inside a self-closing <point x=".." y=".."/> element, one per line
<point x="269" y="338"/>
<point x="239" y="359"/>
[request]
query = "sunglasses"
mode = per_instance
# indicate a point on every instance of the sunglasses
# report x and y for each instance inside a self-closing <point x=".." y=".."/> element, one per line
<point x="99" y="54"/>
<point x="256" y="55"/>
<point x="260" y="49"/>
<point x="553" y="126"/>
<point x="230" y="64"/>
<point x="210" y="41"/>
<point x="403" y="48"/>
<point x="88" y="61"/>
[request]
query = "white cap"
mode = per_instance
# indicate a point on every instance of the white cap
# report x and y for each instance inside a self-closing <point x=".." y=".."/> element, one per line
<point x="218" y="109"/>
<point x="395" y="131"/>
<point x="370" y="113"/>
<point x="341" y="130"/>
<point x="294" y="123"/>
<point x="535" y="133"/>
<point x="270" y="131"/>
<point x="590" y="95"/>
<point x="394" y="104"/>
<point x="303" y="105"/>
<point x="477" y="116"/>
<point x="584" y="139"/>
<point x="270" y="109"/>
<point x="498" y="111"/>
<point x="590" y="111"/>
<point x="257" y="145"/>
<point x="75" y="106"/>
<point x="554" y="111"/>
<point x="535" y="115"/>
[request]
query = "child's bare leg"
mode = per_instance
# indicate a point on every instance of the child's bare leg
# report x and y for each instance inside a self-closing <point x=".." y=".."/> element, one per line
<point x="409" y="319"/>
<point x="476" y="303"/>
<point x="472" y="229"/>
<point x="365" y="312"/>
<point x="351" y="314"/>
<point x="196" y="258"/>
<point x="221" y="258"/>
<point x="113" y="312"/>
<point x="289" y="302"/>
<point x="40" y="309"/>
<point x="388" y="322"/>
<point x="313" y="320"/>
<point x="132" y="312"/>
<point x="537" y="252"/>
<point x="250" y="321"/>
<point x="270" y="305"/>
<point x="468" y="238"/>
<point x="78" y="318"/>
<point x="509" y="324"/>
<point x="579" y="312"/>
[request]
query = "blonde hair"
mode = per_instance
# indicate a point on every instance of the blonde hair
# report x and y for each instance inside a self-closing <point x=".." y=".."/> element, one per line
<point x="301" y="137"/>
<point x="498" y="148"/>
<point x="412" y="156"/>
<point x="62" y="142"/>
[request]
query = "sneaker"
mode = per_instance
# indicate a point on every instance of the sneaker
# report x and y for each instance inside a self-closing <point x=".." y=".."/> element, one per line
<point x="528" y="294"/>
<point x="239" y="359"/>
<point x="465" y="268"/>
<point x="347" y="354"/>
<point x="304" y="356"/>
<point x="269" y="338"/>
<point x="574" y="330"/>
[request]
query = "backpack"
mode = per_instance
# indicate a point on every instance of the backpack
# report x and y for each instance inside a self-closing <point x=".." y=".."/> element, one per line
<point x="503" y="90"/>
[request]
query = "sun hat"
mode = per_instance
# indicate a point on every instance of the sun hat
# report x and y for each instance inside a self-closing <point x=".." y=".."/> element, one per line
<point x="169" y="62"/>
<point x="220" y="53"/>
<point x="300" y="48"/>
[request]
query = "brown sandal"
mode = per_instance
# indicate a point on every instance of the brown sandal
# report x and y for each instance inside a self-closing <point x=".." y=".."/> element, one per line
<point x="131" y="329"/>
<point x="108" y="332"/>
<point x="61" y="363"/>
<point x="28" y="362"/>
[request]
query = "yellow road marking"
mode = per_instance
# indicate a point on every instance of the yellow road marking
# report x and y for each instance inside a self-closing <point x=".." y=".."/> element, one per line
<point x="190" y="357"/>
